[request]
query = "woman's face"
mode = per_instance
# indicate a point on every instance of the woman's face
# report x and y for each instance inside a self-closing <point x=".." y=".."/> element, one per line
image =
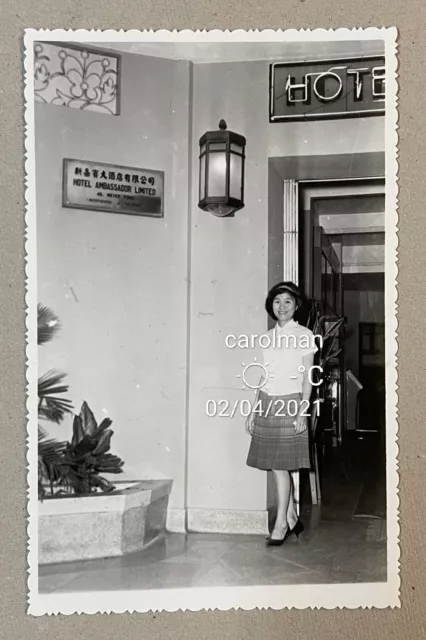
<point x="284" y="306"/>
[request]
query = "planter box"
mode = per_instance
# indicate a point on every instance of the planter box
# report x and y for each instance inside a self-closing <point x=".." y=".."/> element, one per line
<point x="103" y="524"/>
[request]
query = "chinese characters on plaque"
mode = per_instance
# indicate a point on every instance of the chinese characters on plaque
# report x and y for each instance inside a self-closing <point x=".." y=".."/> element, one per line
<point x="320" y="90"/>
<point x="104" y="187"/>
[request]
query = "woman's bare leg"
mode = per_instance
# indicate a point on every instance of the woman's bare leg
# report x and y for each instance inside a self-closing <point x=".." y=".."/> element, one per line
<point x="284" y="490"/>
<point x="291" y="511"/>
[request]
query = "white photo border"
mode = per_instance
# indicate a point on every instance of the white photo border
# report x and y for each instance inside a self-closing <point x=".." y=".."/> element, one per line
<point x="351" y="596"/>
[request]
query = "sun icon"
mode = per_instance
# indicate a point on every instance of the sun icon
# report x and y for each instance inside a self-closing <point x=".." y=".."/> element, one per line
<point x="265" y="373"/>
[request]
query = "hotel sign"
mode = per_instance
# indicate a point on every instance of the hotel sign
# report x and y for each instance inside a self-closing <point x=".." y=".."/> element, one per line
<point x="105" y="187"/>
<point x="320" y="90"/>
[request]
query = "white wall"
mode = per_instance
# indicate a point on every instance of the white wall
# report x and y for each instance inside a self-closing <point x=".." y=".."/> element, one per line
<point x="124" y="337"/>
<point x="228" y="282"/>
<point x="229" y="269"/>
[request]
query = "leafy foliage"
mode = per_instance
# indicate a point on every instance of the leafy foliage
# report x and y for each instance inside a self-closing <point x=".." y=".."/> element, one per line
<point x="87" y="455"/>
<point x="69" y="467"/>
<point x="317" y="322"/>
<point x="328" y="350"/>
<point x="50" y="406"/>
<point x="48" y="324"/>
<point x="50" y="455"/>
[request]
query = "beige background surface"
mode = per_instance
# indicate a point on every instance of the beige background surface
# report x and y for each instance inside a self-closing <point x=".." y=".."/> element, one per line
<point x="410" y="621"/>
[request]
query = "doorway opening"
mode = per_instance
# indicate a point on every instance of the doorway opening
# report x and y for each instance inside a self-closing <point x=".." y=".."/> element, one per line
<point x="347" y="252"/>
<point x="338" y="241"/>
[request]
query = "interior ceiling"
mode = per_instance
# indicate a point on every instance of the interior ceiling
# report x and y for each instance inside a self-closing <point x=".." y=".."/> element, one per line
<point x="355" y="225"/>
<point x="361" y="203"/>
<point x="361" y="251"/>
<point x="208" y="52"/>
<point x="362" y="239"/>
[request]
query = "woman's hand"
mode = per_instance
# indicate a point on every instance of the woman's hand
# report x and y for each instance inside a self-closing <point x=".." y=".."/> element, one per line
<point x="300" y="424"/>
<point x="249" y="424"/>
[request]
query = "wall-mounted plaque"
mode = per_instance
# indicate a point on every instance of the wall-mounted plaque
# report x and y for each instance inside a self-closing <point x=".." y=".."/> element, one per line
<point x="325" y="89"/>
<point x="115" y="188"/>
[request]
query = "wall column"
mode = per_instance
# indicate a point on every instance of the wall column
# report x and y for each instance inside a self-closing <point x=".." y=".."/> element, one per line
<point x="291" y="266"/>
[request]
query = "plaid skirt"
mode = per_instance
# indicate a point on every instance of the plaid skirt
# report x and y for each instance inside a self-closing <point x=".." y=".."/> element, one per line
<point x="274" y="443"/>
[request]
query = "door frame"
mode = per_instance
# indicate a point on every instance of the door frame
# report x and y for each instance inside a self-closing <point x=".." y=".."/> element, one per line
<point x="309" y="282"/>
<point x="300" y="169"/>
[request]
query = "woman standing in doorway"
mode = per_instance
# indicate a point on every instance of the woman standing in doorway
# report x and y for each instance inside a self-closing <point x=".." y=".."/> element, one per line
<point x="278" y="423"/>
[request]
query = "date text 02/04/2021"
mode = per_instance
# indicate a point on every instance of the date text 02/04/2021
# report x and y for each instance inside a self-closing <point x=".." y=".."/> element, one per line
<point x="219" y="408"/>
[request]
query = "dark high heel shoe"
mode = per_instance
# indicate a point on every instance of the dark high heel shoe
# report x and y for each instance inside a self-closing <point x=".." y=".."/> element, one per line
<point x="297" y="529"/>
<point x="277" y="542"/>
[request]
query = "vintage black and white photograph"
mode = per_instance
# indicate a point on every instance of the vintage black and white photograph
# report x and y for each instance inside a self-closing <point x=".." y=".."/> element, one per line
<point x="211" y="313"/>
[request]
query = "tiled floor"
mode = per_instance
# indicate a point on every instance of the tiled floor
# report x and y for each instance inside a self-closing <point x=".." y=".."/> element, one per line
<point x="337" y="546"/>
<point x="328" y="552"/>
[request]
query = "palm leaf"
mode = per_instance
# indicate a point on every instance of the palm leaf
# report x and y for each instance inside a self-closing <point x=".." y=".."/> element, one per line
<point x="88" y="420"/>
<point x="54" y="410"/>
<point x="83" y="448"/>
<point x="51" y="407"/>
<point x="77" y="431"/>
<point x="49" y="383"/>
<point x="103" y="443"/>
<point x="333" y="328"/>
<point x="316" y="323"/>
<point x="75" y="484"/>
<point x="77" y="470"/>
<point x="48" y="324"/>
<point x="49" y="448"/>
<point x="105" y="424"/>
<point x="50" y="458"/>
<point x="42" y="433"/>
<point x="109" y="463"/>
<point x="326" y="350"/>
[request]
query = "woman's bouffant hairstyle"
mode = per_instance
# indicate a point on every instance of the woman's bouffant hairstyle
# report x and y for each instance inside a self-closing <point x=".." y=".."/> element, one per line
<point x="282" y="287"/>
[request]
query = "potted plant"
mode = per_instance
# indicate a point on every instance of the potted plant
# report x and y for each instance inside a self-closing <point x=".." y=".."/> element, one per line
<point x="70" y="467"/>
<point x="52" y="407"/>
<point x="81" y="513"/>
<point x="327" y="331"/>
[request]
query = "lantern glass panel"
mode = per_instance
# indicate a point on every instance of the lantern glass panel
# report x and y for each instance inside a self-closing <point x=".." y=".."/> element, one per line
<point x="216" y="184"/>
<point x="202" y="176"/>
<point x="236" y="177"/>
<point x="237" y="148"/>
<point x="217" y="146"/>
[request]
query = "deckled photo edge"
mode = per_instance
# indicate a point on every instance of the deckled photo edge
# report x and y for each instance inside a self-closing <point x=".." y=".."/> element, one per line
<point x="31" y="306"/>
<point x="391" y="328"/>
<point x="231" y="597"/>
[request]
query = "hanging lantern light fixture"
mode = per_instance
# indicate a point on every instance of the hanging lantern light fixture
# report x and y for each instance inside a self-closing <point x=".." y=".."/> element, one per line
<point x="222" y="158"/>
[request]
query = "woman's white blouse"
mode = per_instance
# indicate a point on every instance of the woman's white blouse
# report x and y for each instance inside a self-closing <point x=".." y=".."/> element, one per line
<point x="283" y="358"/>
